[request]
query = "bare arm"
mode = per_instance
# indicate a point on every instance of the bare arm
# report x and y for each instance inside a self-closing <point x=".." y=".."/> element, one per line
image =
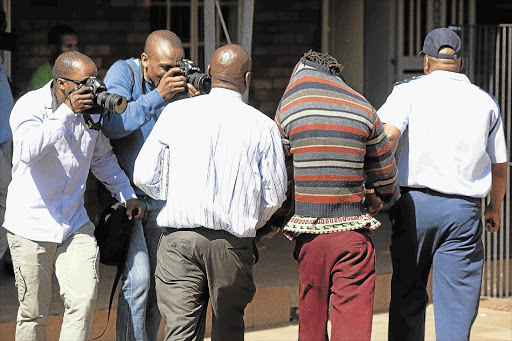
<point x="499" y="186"/>
<point x="393" y="134"/>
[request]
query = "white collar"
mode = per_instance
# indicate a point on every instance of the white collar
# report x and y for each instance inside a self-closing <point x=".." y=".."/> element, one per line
<point x="226" y="92"/>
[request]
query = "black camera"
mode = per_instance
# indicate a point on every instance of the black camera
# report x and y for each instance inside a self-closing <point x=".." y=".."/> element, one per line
<point x="103" y="99"/>
<point x="195" y="77"/>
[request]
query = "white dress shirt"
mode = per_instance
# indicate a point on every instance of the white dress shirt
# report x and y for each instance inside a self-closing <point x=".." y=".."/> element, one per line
<point x="52" y="155"/>
<point x="451" y="133"/>
<point x="225" y="167"/>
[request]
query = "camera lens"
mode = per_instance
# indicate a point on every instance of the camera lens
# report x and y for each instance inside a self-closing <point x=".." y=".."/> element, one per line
<point x="112" y="102"/>
<point x="200" y="81"/>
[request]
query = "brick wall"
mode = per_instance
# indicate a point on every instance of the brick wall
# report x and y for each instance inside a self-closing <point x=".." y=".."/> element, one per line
<point x="283" y="31"/>
<point x="107" y="30"/>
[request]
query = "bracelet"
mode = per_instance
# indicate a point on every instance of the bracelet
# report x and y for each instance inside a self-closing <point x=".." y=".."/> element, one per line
<point x="369" y="190"/>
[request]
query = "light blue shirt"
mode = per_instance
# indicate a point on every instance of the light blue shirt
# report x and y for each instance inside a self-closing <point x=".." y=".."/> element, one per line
<point x="223" y="164"/>
<point x="52" y="155"/>
<point x="6" y="104"/>
<point x="451" y="133"/>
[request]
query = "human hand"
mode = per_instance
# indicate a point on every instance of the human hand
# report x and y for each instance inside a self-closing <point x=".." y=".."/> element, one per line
<point x="492" y="218"/>
<point x="192" y="91"/>
<point x="373" y="203"/>
<point x="171" y="83"/>
<point x="267" y="231"/>
<point x="80" y="99"/>
<point x="135" y="204"/>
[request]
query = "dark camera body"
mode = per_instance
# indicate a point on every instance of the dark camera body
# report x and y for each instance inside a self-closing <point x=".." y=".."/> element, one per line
<point x="103" y="99"/>
<point x="195" y="77"/>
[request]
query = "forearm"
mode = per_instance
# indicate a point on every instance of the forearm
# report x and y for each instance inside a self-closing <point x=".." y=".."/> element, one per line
<point x="393" y="134"/>
<point x="107" y="170"/>
<point x="499" y="184"/>
<point x="380" y="166"/>
<point x="33" y="136"/>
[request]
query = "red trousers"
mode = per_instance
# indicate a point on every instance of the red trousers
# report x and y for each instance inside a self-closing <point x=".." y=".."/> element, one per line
<point x="336" y="268"/>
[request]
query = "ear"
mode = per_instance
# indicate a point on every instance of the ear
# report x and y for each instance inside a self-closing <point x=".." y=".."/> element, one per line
<point x="426" y="65"/>
<point x="61" y="84"/>
<point x="209" y="71"/>
<point x="461" y="64"/>
<point x="144" y="59"/>
<point x="247" y="78"/>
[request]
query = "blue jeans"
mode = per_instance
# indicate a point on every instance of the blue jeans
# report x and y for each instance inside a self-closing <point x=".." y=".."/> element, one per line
<point x="138" y="317"/>
<point x="446" y="231"/>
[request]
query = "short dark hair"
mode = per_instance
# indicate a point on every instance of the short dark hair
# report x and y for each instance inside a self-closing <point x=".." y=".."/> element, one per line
<point x="56" y="32"/>
<point x="326" y="60"/>
<point x="68" y="62"/>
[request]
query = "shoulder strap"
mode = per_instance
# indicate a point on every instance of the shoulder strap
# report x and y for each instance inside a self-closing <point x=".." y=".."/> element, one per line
<point x="133" y="76"/>
<point x="141" y="76"/>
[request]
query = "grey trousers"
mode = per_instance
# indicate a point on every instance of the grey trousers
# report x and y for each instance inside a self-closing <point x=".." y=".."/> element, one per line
<point x="197" y="265"/>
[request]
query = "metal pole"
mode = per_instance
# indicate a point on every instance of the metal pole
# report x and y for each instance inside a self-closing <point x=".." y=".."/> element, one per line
<point x="247" y="22"/>
<point x="209" y="31"/>
<point x="223" y="23"/>
<point x="325" y="26"/>
<point x="246" y="38"/>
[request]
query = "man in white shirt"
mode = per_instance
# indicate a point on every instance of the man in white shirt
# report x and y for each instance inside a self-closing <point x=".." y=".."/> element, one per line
<point x="48" y="227"/>
<point x="225" y="178"/>
<point x="453" y="154"/>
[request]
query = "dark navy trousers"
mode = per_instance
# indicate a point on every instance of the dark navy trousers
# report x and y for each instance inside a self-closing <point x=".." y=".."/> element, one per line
<point x="443" y="231"/>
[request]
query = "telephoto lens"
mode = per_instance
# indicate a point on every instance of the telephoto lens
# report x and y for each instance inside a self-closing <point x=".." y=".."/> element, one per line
<point x="111" y="102"/>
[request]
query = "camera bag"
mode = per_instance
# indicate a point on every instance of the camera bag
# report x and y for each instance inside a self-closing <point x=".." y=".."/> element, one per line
<point x="113" y="232"/>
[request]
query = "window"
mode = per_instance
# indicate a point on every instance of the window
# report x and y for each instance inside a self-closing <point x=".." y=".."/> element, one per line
<point x="186" y="19"/>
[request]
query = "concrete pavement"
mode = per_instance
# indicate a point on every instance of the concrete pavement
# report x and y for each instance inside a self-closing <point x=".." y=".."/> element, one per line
<point x="493" y="323"/>
<point x="277" y="293"/>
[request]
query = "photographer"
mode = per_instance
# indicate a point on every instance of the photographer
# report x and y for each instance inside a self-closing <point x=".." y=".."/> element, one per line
<point x="48" y="227"/>
<point x="149" y="84"/>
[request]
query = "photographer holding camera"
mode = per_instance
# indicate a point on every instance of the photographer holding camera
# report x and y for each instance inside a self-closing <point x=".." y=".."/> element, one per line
<point x="149" y="84"/>
<point x="48" y="227"/>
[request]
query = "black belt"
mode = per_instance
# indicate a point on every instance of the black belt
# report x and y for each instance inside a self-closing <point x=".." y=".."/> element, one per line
<point x="419" y="189"/>
<point x="429" y="191"/>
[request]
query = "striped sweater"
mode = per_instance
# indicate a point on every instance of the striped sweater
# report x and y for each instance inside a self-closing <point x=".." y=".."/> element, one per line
<point x="337" y="143"/>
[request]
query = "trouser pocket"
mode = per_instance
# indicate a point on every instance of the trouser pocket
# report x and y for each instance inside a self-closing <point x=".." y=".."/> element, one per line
<point x="21" y="285"/>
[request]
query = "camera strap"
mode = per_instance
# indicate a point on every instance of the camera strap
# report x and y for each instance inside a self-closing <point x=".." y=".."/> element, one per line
<point x="141" y="75"/>
<point x="89" y="122"/>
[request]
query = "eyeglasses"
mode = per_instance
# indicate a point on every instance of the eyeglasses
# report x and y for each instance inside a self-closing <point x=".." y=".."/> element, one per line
<point x="83" y="81"/>
<point x="75" y="81"/>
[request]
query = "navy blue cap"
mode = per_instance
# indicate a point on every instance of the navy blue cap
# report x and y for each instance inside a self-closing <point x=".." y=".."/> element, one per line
<point x="438" y="38"/>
